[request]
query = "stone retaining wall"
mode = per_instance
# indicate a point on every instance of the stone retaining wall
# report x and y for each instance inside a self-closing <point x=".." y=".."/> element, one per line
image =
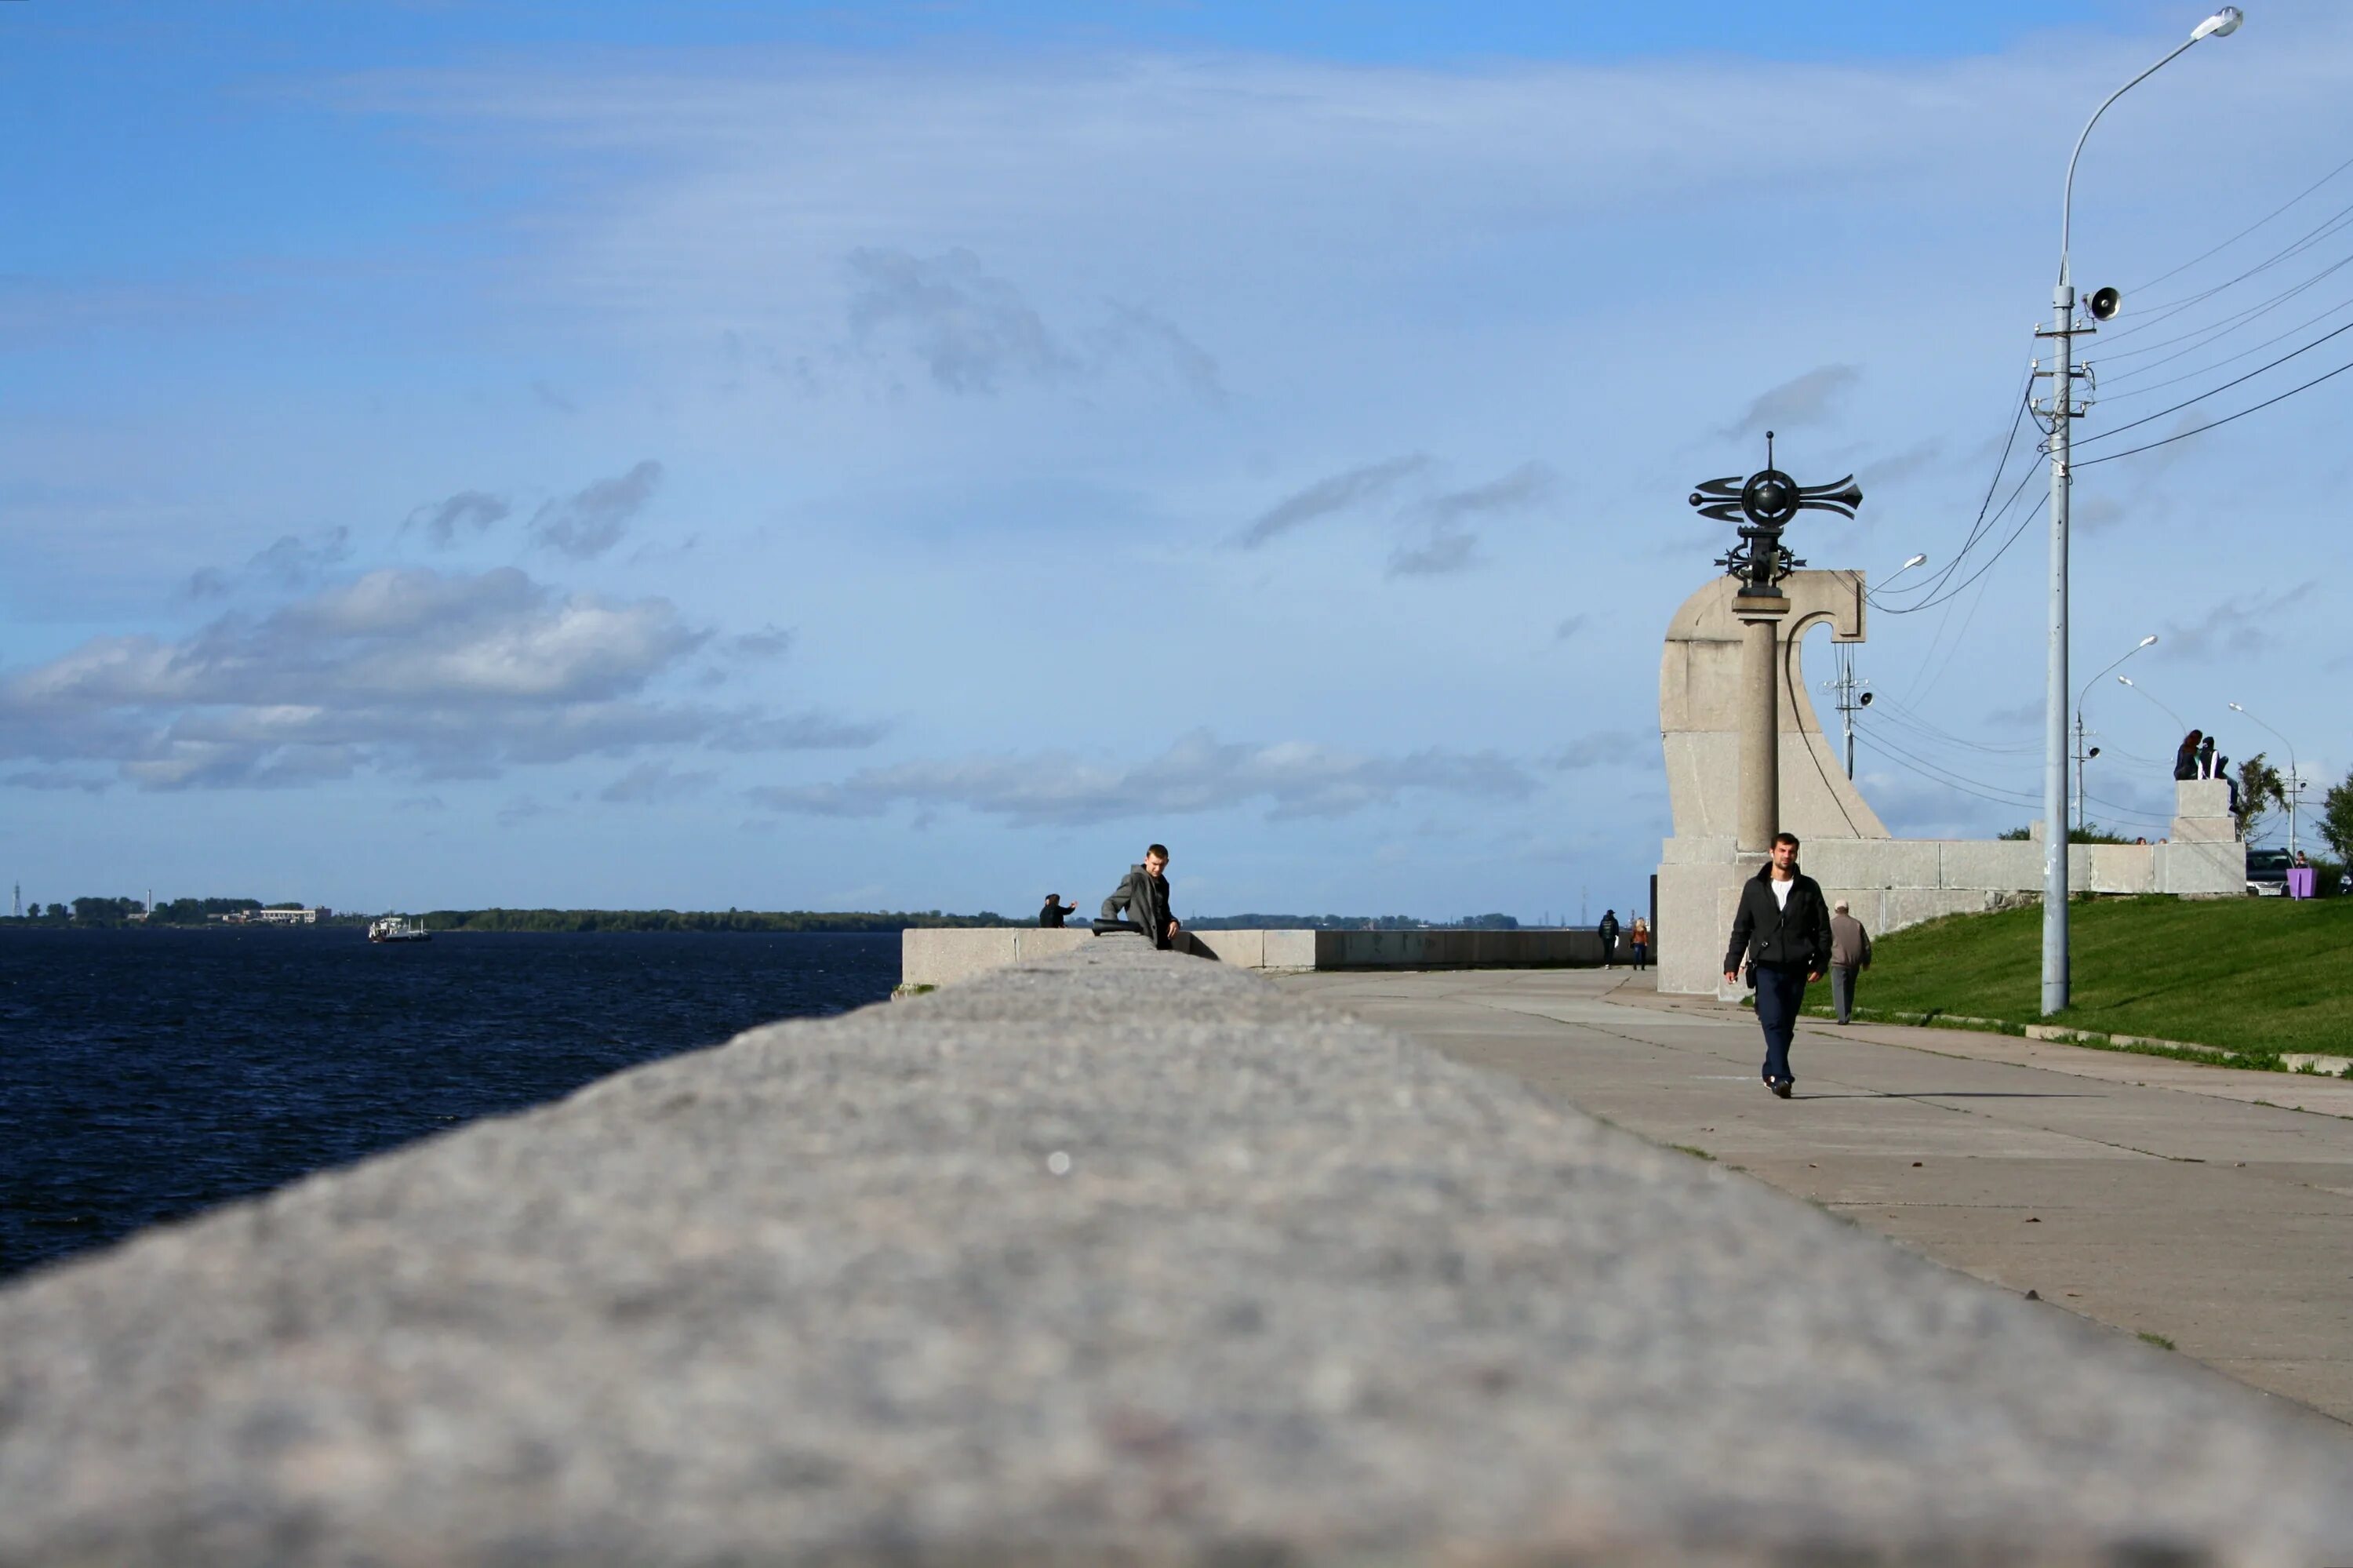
<point x="1116" y="1257"/>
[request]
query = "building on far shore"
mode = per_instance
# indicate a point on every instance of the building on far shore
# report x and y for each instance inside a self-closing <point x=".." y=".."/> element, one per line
<point x="296" y="916"/>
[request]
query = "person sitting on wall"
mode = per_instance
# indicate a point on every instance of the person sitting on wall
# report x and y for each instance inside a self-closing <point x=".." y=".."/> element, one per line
<point x="2185" y="758"/>
<point x="1056" y="912"/>
<point x="2206" y="757"/>
<point x="1140" y="902"/>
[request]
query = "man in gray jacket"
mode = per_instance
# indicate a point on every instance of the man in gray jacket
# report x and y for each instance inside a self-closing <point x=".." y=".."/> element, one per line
<point x="1850" y="951"/>
<point x="1142" y="898"/>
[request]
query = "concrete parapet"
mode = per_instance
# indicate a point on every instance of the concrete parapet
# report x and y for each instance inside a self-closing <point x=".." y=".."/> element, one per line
<point x="944" y="956"/>
<point x="1117" y="1256"/>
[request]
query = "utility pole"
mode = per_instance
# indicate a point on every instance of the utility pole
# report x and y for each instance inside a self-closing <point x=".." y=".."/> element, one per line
<point x="1854" y="696"/>
<point x="2062" y="332"/>
<point x="2083" y="754"/>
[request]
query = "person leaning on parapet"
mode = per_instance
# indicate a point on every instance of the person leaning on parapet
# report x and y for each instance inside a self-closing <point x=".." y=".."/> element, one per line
<point x="1607" y="932"/>
<point x="1056" y="912"/>
<point x="1849" y="954"/>
<point x="1141" y="900"/>
<point x="1782" y="933"/>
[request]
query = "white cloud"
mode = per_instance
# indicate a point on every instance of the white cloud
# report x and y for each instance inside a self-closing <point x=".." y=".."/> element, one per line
<point x="412" y="670"/>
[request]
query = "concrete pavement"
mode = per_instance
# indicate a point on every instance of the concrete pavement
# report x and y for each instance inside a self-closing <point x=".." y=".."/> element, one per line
<point x="2163" y="1198"/>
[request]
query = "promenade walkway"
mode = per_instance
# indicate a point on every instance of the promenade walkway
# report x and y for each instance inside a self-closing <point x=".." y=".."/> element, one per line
<point x="2211" y="1206"/>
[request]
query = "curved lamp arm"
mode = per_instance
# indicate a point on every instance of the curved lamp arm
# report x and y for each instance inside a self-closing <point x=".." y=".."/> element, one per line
<point x="2220" y="25"/>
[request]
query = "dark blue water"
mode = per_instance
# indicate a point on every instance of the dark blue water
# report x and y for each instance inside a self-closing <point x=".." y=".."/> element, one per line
<point x="148" y="1074"/>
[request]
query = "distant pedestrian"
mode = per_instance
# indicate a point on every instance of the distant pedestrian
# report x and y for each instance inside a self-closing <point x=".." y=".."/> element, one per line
<point x="1607" y="932"/>
<point x="1056" y="912"/>
<point x="2185" y="755"/>
<point x="2206" y="757"/>
<point x="1781" y="936"/>
<point x="1849" y="952"/>
<point x="1140" y="902"/>
<point x="1637" y="937"/>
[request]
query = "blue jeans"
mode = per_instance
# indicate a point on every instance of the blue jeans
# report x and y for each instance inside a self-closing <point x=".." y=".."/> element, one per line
<point x="1780" y="992"/>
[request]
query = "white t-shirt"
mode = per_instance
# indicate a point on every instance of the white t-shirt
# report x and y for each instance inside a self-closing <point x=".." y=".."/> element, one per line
<point x="1781" y="892"/>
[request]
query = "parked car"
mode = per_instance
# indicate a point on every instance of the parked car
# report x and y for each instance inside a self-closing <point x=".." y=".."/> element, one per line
<point x="2267" y="871"/>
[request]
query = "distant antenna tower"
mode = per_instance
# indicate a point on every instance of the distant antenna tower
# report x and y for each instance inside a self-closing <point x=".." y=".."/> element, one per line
<point x="16" y="905"/>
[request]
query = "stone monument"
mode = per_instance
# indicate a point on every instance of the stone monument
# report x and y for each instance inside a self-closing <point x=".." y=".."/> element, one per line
<point x="1746" y="757"/>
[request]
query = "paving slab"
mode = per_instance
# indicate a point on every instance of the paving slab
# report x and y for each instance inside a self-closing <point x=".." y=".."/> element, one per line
<point x="2155" y="1196"/>
<point x="1115" y="1257"/>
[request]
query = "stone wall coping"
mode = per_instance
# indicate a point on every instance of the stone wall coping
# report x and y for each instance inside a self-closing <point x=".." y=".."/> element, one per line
<point x="1112" y="1256"/>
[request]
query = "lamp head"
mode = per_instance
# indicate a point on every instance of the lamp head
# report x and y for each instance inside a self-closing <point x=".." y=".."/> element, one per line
<point x="2147" y="640"/>
<point x="2220" y="25"/>
<point x="1916" y="561"/>
<point x="2237" y="709"/>
<point x="2126" y="681"/>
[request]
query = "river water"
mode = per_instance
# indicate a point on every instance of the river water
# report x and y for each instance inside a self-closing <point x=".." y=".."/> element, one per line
<point x="145" y="1075"/>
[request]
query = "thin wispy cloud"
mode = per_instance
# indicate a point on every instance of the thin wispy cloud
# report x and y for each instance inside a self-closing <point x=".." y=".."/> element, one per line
<point x="467" y="514"/>
<point x="1197" y="773"/>
<point x="1801" y="401"/>
<point x="586" y="525"/>
<point x="1340" y="492"/>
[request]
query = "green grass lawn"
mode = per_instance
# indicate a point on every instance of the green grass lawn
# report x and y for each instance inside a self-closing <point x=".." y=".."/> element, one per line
<point x="2257" y="976"/>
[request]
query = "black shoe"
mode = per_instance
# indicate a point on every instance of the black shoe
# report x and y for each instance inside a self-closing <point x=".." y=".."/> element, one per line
<point x="1782" y="1087"/>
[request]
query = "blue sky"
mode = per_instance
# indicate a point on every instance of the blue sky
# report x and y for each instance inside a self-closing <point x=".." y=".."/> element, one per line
<point x="910" y="456"/>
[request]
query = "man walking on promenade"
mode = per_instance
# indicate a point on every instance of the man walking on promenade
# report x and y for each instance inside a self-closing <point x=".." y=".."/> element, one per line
<point x="1782" y="933"/>
<point x="1850" y="951"/>
<point x="1142" y="896"/>
<point x="1607" y="932"/>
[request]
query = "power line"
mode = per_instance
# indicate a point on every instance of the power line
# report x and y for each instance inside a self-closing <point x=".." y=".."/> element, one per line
<point x="1934" y="580"/>
<point x="2226" y="386"/>
<point x="2216" y="424"/>
<point x="2153" y="314"/>
<point x="2027" y="479"/>
<point x="2190" y="375"/>
<point x="2274" y="212"/>
<point x="2213" y="330"/>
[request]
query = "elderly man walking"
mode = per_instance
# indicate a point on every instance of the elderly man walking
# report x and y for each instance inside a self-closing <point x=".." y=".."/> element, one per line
<point x="1850" y="951"/>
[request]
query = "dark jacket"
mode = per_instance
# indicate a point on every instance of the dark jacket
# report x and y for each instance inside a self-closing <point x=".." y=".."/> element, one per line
<point x="1142" y="898"/>
<point x="1052" y="915"/>
<point x="1608" y="930"/>
<point x="1797" y="937"/>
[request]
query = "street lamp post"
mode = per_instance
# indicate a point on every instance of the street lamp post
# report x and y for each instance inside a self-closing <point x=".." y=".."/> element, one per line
<point x="2062" y="332"/>
<point x="2294" y="773"/>
<point x="2083" y="756"/>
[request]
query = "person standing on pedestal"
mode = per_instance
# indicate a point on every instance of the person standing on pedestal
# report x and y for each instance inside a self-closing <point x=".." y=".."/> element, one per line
<point x="1782" y="935"/>
<point x="1849" y="952"/>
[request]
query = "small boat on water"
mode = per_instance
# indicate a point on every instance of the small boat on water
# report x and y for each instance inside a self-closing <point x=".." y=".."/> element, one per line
<point x="397" y="928"/>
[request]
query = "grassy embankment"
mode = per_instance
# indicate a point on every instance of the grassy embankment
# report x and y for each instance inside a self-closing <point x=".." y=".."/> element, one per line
<point x="2254" y="977"/>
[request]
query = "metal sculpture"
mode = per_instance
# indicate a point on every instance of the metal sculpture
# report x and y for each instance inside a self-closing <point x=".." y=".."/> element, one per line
<point x="1764" y="504"/>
